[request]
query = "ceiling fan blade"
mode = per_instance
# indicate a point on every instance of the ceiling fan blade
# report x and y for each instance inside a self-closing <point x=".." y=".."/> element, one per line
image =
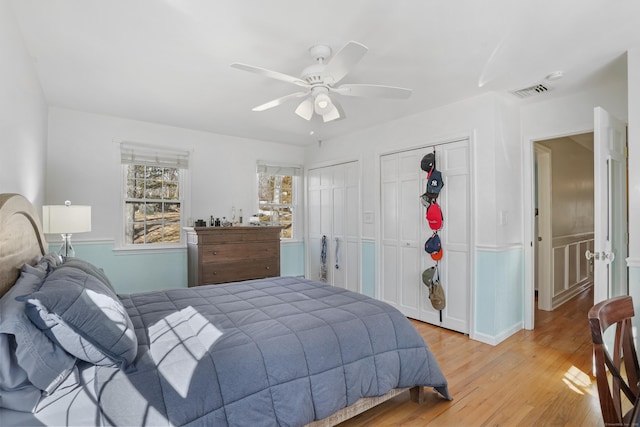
<point x="269" y="73"/>
<point x="305" y="109"/>
<point x="279" y="101"/>
<point x="343" y="61"/>
<point x="374" y="91"/>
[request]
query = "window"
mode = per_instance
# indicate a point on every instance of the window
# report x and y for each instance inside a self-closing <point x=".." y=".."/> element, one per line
<point x="153" y="196"/>
<point x="277" y="197"/>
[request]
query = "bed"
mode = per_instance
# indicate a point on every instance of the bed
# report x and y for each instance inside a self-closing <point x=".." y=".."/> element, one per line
<point x="278" y="351"/>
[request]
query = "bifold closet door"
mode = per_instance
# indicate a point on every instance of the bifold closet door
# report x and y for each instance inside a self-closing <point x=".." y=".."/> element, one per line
<point x="401" y="230"/>
<point x="454" y="162"/>
<point x="404" y="231"/>
<point x="334" y="209"/>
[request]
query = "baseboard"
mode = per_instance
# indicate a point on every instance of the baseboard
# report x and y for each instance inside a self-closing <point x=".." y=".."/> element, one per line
<point x="497" y="339"/>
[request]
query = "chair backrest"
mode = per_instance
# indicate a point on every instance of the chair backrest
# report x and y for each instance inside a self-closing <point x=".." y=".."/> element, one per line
<point x="616" y="312"/>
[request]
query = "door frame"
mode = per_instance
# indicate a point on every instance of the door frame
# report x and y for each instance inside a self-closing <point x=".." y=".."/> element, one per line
<point x="528" y="229"/>
<point x="544" y="245"/>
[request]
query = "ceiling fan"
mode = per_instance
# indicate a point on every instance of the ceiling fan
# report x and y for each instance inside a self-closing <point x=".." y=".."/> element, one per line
<point x="319" y="83"/>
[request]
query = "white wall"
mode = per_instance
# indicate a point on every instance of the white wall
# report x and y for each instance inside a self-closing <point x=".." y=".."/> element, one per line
<point x="84" y="167"/>
<point x="492" y="126"/>
<point x="23" y="116"/>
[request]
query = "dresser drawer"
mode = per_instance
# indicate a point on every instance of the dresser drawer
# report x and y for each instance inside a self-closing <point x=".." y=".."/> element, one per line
<point x="239" y="270"/>
<point x="237" y="235"/>
<point x="237" y="251"/>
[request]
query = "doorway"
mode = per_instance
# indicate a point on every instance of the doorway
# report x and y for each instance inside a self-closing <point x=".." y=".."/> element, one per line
<point x="563" y="218"/>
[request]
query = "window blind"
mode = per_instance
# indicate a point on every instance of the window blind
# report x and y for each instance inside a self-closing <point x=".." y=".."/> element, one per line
<point x="151" y="155"/>
<point x="281" y="170"/>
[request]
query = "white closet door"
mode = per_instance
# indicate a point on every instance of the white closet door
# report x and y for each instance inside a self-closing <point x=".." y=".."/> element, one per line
<point x="314" y="239"/>
<point x="404" y="230"/>
<point x="349" y="247"/>
<point x="401" y="236"/>
<point x="455" y="236"/>
<point x="334" y="209"/>
<point x="390" y="253"/>
<point x="412" y="240"/>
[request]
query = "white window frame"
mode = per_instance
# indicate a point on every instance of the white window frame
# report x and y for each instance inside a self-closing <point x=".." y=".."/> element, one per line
<point x="296" y="171"/>
<point x="153" y="155"/>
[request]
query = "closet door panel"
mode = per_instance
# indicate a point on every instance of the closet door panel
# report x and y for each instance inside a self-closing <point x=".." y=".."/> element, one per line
<point x="410" y="282"/>
<point x="313" y="207"/>
<point x="390" y="211"/>
<point x="456" y="210"/>
<point x="326" y="211"/>
<point x="390" y="275"/>
<point x="409" y="214"/>
<point x="454" y="282"/>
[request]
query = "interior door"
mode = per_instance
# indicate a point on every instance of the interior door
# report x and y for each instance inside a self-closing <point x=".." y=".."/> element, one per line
<point x="334" y="206"/>
<point x="610" y="207"/>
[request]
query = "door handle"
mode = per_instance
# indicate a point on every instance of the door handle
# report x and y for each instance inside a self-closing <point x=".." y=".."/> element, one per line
<point x="592" y="255"/>
<point x="604" y="256"/>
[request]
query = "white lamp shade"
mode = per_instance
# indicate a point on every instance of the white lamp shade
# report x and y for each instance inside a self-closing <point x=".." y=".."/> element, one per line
<point x="63" y="219"/>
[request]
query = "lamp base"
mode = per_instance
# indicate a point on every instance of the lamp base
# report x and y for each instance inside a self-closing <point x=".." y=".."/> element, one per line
<point x="66" y="250"/>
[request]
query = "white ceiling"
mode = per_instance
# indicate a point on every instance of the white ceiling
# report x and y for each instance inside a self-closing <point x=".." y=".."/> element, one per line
<point x="167" y="61"/>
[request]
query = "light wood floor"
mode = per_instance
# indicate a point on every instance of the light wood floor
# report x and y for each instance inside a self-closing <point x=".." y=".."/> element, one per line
<point x="534" y="378"/>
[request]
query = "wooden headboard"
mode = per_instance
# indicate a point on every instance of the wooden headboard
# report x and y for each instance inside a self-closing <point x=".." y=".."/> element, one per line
<point x="21" y="238"/>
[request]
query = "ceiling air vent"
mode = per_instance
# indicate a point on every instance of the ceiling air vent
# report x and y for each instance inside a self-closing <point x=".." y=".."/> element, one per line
<point x="536" y="89"/>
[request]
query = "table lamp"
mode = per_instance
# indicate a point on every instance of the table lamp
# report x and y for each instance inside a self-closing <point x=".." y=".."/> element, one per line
<point x="66" y="220"/>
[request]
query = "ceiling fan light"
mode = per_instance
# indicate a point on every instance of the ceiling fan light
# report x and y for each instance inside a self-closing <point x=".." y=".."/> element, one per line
<point x="323" y="103"/>
<point x="330" y="115"/>
<point x="305" y="109"/>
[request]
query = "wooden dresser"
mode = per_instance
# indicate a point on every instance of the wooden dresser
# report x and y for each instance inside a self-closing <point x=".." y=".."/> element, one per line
<point x="230" y="254"/>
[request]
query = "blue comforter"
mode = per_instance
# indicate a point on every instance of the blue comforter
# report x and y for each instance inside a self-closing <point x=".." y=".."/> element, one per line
<point x="280" y="351"/>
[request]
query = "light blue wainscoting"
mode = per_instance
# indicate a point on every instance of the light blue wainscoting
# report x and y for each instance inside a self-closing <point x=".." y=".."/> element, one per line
<point x="131" y="271"/>
<point x="369" y="268"/>
<point x="135" y="271"/>
<point x="292" y="258"/>
<point x="499" y="304"/>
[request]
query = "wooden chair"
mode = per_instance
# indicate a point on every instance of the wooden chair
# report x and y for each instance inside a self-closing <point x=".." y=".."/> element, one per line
<point x="619" y="312"/>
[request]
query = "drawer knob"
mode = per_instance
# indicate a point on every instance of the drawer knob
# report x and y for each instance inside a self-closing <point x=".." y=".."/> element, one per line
<point x="215" y="253"/>
<point x="268" y="267"/>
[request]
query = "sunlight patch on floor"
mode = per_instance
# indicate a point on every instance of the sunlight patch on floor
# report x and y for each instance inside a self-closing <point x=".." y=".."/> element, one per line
<point x="578" y="381"/>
